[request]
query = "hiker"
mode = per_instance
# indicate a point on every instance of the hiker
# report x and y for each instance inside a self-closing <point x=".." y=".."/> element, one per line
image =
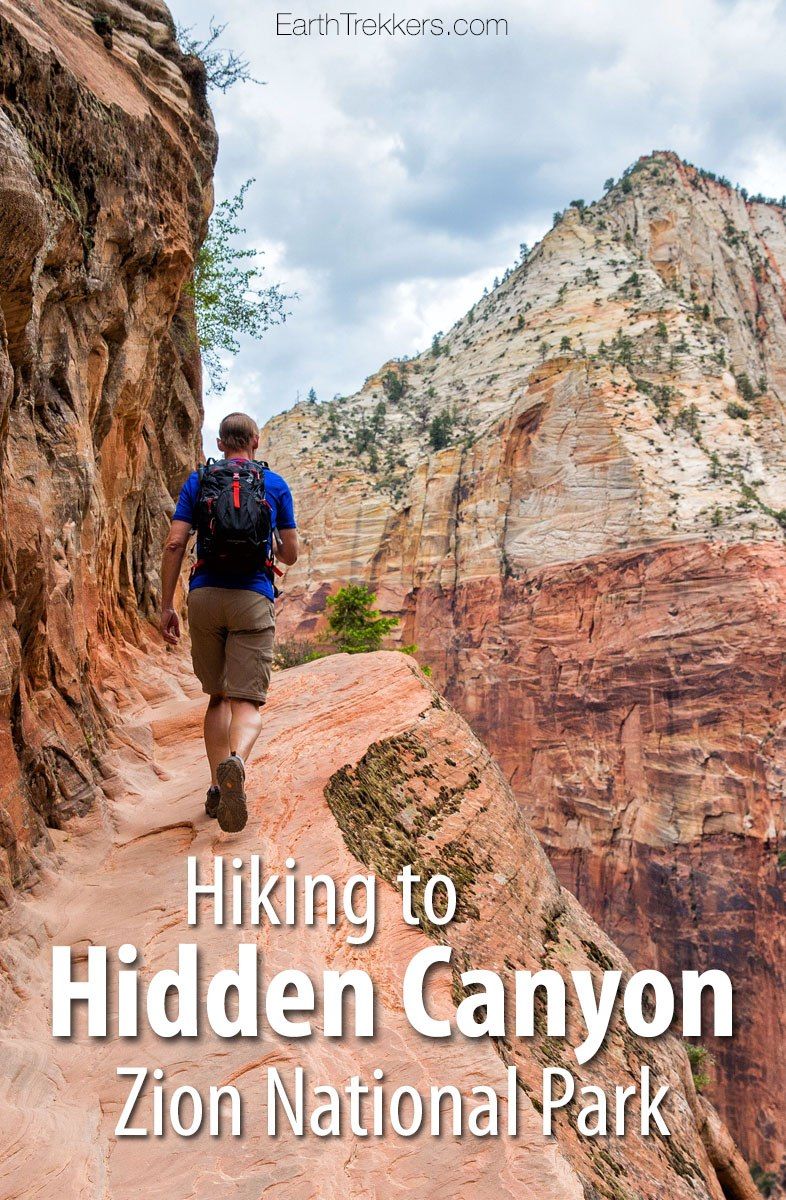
<point x="239" y="509"/>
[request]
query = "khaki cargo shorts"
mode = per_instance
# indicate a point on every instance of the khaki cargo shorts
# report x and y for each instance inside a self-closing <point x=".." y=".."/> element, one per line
<point x="232" y="634"/>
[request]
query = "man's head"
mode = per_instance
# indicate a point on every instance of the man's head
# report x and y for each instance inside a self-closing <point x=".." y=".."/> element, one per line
<point x="238" y="434"/>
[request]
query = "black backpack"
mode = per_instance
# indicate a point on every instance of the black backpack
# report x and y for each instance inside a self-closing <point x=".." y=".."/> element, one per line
<point x="233" y="518"/>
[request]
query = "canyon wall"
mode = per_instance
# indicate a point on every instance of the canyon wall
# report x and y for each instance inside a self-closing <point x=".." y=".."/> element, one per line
<point x="106" y="155"/>
<point x="587" y="548"/>
<point x="591" y="562"/>
<point x="360" y="766"/>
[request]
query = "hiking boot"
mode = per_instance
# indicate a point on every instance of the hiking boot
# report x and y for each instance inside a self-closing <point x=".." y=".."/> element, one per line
<point x="232" y="811"/>
<point x="212" y="799"/>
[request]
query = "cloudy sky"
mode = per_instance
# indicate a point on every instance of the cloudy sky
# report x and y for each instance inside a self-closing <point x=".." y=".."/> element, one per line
<point x="395" y="176"/>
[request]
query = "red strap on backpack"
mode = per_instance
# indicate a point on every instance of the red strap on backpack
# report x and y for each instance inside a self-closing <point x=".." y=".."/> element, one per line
<point x="236" y="489"/>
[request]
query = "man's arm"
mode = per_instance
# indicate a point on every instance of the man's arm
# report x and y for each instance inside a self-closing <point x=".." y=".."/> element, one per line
<point x="287" y="547"/>
<point x="171" y="562"/>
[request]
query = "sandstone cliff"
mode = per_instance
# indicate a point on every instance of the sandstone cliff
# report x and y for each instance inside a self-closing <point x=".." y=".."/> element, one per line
<point x="490" y="548"/>
<point x="106" y="155"/>
<point x="360" y="765"/>
<point x="592" y="563"/>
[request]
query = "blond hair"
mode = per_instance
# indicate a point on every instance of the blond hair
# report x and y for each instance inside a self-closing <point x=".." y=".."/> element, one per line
<point x="237" y="430"/>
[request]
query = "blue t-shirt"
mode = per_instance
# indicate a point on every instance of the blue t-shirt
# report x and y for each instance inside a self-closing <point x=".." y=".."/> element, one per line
<point x="282" y="516"/>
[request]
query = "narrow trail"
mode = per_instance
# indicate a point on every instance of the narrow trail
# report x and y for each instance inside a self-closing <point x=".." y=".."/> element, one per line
<point x="122" y="878"/>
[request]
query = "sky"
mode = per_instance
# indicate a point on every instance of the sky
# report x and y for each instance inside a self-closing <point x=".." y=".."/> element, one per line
<point x="396" y="175"/>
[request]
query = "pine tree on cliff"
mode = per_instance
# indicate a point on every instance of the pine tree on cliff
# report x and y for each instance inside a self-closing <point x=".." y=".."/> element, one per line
<point x="355" y="625"/>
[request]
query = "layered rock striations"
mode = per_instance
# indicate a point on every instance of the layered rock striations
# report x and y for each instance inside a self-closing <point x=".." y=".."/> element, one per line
<point x="589" y="556"/>
<point x="587" y="547"/>
<point x="106" y="155"/>
<point x="361" y="765"/>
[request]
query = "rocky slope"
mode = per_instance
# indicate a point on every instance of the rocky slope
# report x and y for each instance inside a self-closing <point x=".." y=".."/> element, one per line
<point x="106" y="154"/>
<point x="587" y="547"/>
<point x="393" y="776"/>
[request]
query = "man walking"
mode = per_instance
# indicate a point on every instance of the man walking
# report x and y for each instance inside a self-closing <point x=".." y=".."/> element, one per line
<point x="238" y="508"/>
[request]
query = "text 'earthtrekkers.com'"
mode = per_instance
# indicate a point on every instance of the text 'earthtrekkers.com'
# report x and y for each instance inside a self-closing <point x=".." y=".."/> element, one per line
<point x="387" y="25"/>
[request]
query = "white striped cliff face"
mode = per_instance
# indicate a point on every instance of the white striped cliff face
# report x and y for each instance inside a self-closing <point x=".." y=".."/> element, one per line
<point x="675" y="285"/>
<point x="593" y="567"/>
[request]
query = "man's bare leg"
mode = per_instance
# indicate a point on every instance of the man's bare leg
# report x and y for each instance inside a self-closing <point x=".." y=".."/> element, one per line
<point x="245" y="727"/>
<point x="217" y="719"/>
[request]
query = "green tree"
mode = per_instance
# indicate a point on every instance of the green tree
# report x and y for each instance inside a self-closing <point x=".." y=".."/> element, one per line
<point x="378" y="418"/>
<point x="745" y="387"/>
<point x="363" y="435"/>
<point x="623" y="346"/>
<point x="311" y="398"/>
<point x="333" y="429"/>
<point x="394" y="385"/>
<point x="701" y="1062"/>
<point x="227" y="299"/>
<point x="355" y="624"/>
<point x="439" y="430"/>
<point x="688" y="419"/>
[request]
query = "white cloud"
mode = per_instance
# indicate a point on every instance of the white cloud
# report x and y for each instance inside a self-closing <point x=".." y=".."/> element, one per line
<point x="394" y="179"/>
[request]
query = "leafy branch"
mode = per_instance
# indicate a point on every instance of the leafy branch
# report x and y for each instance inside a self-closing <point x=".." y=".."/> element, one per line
<point x="227" y="299"/>
<point x="223" y="68"/>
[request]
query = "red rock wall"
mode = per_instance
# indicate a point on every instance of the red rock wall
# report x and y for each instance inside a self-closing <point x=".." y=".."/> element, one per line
<point x="635" y="703"/>
<point x="106" y="159"/>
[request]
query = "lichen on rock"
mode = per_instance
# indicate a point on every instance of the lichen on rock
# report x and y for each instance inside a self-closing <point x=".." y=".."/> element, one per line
<point x="395" y="808"/>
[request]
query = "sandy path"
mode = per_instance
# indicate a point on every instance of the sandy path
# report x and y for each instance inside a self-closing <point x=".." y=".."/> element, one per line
<point x="122" y="878"/>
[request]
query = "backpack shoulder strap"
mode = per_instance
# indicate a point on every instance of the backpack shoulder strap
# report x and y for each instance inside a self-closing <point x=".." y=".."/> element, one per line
<point x="204" y="468"/>
<point x="261" y="467"/>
